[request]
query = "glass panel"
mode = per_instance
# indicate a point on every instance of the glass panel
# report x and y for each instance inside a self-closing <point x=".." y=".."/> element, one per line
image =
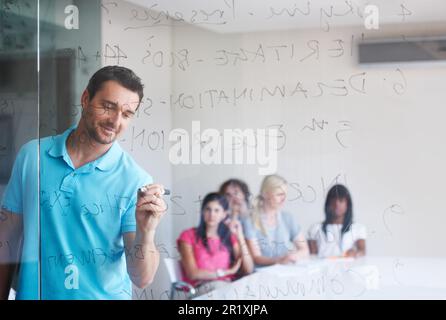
<point x="70" y="38"/>
<point x="324" y="118"/>
<point x="18" y="126"/>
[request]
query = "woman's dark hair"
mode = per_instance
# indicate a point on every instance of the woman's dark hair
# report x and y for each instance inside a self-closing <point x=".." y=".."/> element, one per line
<point x="124" y="76"/>
<point x="338" y="191"/>
<point x="239" y="183"/>
<point x="223" y="231"/>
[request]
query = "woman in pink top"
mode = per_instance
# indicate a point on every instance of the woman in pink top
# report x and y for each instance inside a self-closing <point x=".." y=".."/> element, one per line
<point x="214" y="252"/>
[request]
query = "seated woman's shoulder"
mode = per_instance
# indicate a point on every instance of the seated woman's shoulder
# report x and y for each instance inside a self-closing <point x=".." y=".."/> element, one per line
<point x="188" y="235"/>
<point x="288" y="216"/>
<point x="314" y="230"/>
<point x="246" y="221"/>
<point x="189" y="230"/>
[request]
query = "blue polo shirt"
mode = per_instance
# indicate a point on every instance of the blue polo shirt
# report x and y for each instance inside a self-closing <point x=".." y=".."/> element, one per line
<point x="84" y="213"/>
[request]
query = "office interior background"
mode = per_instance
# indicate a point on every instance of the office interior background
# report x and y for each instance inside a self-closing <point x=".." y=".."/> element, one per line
<point x="354" y="101"/>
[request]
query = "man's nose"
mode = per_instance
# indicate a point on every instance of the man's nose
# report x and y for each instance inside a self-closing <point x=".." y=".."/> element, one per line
<point x="115" y="118"/>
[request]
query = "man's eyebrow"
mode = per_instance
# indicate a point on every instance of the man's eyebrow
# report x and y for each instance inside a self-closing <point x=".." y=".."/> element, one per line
<point x="130" y="110"/>
<point x="116" y="105"/>
<point x="110" y="102"/>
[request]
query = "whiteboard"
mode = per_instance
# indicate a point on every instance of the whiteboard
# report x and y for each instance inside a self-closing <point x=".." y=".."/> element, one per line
<point x="377" y="129"/>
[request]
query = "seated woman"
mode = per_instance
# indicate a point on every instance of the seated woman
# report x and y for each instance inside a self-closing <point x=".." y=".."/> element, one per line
<point x="273" y="236"/>
<point x="337" y="235"/>
<point x="215" y="252"/>
<point x="237" y="193"/>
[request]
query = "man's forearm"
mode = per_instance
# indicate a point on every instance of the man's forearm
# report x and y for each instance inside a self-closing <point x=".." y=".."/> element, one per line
<point x="144" y="260"/>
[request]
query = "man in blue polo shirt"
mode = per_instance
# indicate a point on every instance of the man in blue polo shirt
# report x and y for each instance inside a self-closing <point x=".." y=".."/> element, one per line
<point x="89" y="233"/>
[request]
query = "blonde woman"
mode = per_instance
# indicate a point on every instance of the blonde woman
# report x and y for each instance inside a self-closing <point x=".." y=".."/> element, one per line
<point x="273" y="236"/>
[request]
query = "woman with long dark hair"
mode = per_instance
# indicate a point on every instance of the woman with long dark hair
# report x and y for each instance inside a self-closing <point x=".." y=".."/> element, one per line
<point x="214" y="252"/>
<point x="337" y="235"/>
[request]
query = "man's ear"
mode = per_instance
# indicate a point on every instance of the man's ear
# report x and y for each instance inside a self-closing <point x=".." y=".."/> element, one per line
<point x="85" y="99"/>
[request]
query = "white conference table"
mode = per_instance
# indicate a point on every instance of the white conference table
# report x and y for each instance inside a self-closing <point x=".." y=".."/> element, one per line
<point x="344" y="278"/>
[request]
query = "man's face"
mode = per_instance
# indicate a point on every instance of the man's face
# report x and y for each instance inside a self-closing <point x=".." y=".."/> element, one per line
<point x="108" y="114"/>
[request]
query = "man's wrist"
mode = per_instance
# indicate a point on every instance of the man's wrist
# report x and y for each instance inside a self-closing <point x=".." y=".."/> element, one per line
<point x="145" y="237"/>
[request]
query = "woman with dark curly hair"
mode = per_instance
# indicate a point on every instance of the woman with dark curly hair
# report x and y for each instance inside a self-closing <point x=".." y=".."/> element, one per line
<point x="238" y="195"/>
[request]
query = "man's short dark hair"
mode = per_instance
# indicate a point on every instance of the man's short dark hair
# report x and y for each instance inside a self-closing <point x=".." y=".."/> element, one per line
<point x="124" y="76"/>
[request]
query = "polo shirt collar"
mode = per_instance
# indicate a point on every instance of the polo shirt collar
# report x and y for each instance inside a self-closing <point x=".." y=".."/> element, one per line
<point x="104" y="163"/>
<point x="58" y="148"/>
<point x="108" y="160"/>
